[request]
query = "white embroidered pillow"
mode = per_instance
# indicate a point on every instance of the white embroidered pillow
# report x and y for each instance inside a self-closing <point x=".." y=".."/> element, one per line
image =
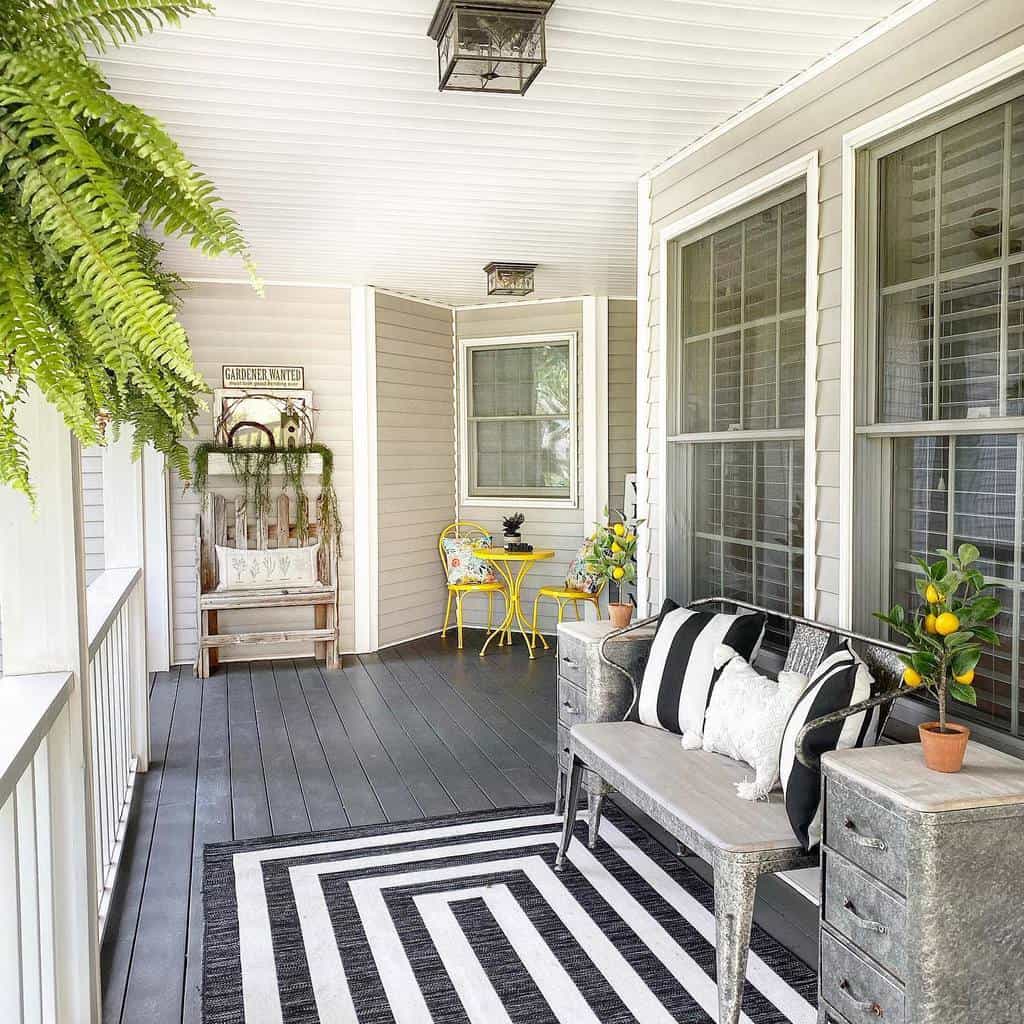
<point x="267" y="569"/>
<point x="747" y="716"/>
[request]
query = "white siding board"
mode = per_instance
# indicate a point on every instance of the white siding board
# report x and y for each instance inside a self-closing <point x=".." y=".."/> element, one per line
<point x="415" y="462"/>
<point x="938" y="44"/>
<point x="307" y="326"/>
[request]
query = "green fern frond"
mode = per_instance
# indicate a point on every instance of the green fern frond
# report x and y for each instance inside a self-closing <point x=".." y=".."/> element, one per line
<point x="87" y="312"/>
<point x="101" y="22"/>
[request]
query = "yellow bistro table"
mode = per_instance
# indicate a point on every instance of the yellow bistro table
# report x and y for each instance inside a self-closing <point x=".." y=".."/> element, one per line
<point x="505" y="563"/>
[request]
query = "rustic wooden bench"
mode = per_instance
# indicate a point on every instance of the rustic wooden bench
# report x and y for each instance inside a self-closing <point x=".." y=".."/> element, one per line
<point x="691" y="793"/>
<point x="225" y="522"/>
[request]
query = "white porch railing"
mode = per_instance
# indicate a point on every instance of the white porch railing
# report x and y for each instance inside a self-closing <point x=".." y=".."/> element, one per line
<point x="36" y="783"/>
<point x="118" y="705"/>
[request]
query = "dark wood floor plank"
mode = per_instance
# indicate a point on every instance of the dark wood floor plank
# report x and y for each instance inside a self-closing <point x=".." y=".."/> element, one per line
<point x="485" y="731"/>
<point x="287" y="806"/>
<point x="212" y="825"/>
<point x="323" y="802"/>
<point x="462" y="743"/>
<point x="357" y="795"/>
<point x="123" y="919"/>
<point x="392" y="792"/>
<point x="156" y="979"/>
<point x="250" y="810"/>
<point x="514" y="747"/>
<point x="503" y="679"/>
<point x="385" y="692"/>
<point x="423" y="784"/>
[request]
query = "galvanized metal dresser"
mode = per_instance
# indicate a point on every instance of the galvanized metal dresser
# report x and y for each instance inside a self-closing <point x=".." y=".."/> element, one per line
<point x="922" y="911"/>
<point x="590" y="691"/>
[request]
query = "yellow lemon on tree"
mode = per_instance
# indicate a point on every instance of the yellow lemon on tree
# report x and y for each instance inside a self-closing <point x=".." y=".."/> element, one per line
<point x="967" y="678"/>
<point x="616" y="547"/>
<point x="931" y="595"/>
<point x="911" y="677"/>
<point x="619" y="529"/>
<point x="946" y="623"/>
<point x="929" y="623"/>
<point x="618" y="572"/>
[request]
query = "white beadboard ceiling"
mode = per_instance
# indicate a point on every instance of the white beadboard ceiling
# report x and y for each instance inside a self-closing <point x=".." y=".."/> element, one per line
<point x="321" y="123"/>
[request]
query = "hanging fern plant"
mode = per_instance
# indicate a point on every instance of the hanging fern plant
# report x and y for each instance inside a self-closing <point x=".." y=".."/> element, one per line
<point x="86" y="313"/>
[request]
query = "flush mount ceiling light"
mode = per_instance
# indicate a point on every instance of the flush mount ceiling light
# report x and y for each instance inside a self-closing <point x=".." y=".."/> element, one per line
<point x="489" y="45"/>
<point x="510" y="278"/>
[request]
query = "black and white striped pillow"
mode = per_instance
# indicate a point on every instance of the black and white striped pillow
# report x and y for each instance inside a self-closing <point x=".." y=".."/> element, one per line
<point x="681" y="672"/>
<point x="839" y="681"/>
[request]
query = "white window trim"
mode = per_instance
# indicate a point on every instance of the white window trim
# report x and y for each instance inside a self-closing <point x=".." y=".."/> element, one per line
<point x="805" y="168"/>
<point x="855" y="142"/>
<point x="468" y="344"/>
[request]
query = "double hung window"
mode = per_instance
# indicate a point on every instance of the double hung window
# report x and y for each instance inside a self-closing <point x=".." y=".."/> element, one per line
<point x="736" y="408"/>
<point x="519" y="418"/>
<point x="942" y="428"/>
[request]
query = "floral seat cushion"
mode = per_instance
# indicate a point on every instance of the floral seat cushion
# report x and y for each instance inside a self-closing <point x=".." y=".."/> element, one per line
<point x="579" y="578"/>
<point x="464" y="562"/>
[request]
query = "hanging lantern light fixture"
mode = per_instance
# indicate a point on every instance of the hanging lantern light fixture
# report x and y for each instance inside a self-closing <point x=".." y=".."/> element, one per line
<point x="510" y="278"/>
<point x="489" y="45"/>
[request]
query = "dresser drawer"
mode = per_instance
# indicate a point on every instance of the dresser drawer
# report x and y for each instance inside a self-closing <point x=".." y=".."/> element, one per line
<point x="866" y="834"/>
<point x="862" y="911"/>
<point x="827" y="1015"/>
<point x="563" y="746"/>
<point x="572" y="703"/>
<point x="572" y="663"/>
<point x="862" y="993"/>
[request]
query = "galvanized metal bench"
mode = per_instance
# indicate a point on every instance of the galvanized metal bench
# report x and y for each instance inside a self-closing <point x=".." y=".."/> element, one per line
<point x="691" y="793"/>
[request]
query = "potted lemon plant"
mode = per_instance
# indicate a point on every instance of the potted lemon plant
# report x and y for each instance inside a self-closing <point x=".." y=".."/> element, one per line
<point x="613" y="557"/>
<point x="945" y="635"/>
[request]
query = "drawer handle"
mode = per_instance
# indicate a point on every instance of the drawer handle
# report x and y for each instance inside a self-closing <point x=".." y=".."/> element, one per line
<point x="570" y="662"/>
<point x="863" y="922"/>
<point x="865" y="1005"/>
<point x="567" y="704"/>
<point x="565" y="750"/>
<point x="869" y="841"/>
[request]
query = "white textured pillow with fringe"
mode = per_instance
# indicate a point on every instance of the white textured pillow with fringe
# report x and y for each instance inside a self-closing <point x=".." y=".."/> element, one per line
<point x="267" y="568"/>
<point x="746" y="717"/>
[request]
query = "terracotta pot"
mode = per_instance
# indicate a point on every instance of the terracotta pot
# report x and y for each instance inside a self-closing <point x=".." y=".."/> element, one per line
<point x="944" y="751"/>
<point x="620" y="614"/>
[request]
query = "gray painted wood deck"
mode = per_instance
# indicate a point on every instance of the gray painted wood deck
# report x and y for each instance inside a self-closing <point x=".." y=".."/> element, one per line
<point x="273" y="748"/>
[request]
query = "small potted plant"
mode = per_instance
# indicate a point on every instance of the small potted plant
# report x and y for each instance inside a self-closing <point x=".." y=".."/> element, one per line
<point x="945" y="635"/>
<point x="613" y="557"/>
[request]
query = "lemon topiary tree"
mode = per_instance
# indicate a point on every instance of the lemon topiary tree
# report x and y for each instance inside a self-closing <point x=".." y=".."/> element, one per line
<point x="946" y="632"/>
<point x="86" y="313"/>
<point x="613" y="551"/>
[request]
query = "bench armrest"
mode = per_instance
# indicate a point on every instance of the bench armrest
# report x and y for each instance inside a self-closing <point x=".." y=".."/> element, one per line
<point x="612" y="642"/>
<point x="813" y="761"/>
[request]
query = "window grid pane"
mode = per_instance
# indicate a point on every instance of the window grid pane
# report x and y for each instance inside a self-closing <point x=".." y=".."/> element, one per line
<point x="741" y="314"/>
<point x="952" y="490"/>
<point x="519" y="427"/>
<point x="960" y="192"/>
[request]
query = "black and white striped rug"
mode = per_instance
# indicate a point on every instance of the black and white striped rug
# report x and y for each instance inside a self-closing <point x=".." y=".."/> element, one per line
<point x="464" y="920"/>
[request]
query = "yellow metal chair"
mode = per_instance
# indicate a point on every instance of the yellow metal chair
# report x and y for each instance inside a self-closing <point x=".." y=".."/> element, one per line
<point x="457" y="591"/>
<point x="564" y="597"/>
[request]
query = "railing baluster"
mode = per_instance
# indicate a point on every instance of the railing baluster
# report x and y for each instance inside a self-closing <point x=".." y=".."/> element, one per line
<point x="10" y="913"/>
<point x="44" y="871"/>
<point x="28" y="860"/>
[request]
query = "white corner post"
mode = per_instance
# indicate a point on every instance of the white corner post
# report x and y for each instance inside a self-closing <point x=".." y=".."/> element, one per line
<point x="365" y="545"/>
<point x="157" y="553"/>
<point x="44" y="630"/>
<point x="643" y="363"/>
<point x="124" y="547"/>
<point x="595" y="410"/>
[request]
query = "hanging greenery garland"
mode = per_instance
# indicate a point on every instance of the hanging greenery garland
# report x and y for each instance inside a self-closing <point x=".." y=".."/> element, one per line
<point x="252" y="469"/>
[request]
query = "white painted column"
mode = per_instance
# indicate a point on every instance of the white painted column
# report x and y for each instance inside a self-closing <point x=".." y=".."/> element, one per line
<point x="643" y="356"/>
<point x="365" y="535"/>
<point x="44" y="630"/>
<point x="124" y="545"/>
<point x="157" y="551"/>
<point x="595" y="410"/>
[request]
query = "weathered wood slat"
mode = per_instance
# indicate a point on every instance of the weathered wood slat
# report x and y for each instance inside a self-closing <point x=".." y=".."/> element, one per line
<point x="280" y="637"/>
<point x="241" y="525"/>
<point x="282" y="533"/>
<point x="225" y="600"/>
<point x="262" y="515"/>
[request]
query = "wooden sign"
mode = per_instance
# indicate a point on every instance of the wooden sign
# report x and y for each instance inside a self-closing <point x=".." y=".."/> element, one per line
<point x="251" y="378"/>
